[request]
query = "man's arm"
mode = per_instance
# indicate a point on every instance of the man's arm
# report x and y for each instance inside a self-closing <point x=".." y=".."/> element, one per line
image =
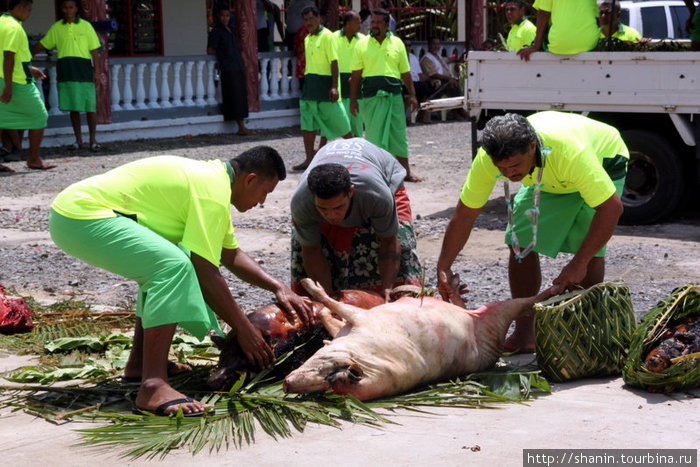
<point x="456" y="236"/>
<point x="408" y="82"/>
<point x="355" y="79"/>
<point x="96" y="64"/>
<point x="601" y="229"/>
<point x="8" y="67"/>
<point x="247" y="269"/>
<point x="389" y="262"/>
<point x="219" y="298"/>
<point x="316" y="266"/>
<point x="333" y="93"/>
<point x="542" y="23"/>
<point x="38" y="47"/>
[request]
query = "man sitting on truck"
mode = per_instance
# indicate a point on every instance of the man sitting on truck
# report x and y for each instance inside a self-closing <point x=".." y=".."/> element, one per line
<point x="572" y="169"/>
<point x="522" y="31"/>
<point x="607" y="19"/>
<point x="567" y="27"/>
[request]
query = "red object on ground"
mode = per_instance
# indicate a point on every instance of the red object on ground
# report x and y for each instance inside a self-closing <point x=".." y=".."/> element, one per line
<point x="15" y="315"/>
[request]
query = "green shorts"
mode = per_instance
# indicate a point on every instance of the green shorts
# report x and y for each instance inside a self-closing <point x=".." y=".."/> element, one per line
<point x="25" y="111"/>
<point x="329" y="117"/>
<point x="562" y="223"/>
<point x="77" y="96"/>
<point x="355" y="121"/>
<point x="695" y="26"/>
<point x="384" y="117"/>
<point x="169" y="291"/>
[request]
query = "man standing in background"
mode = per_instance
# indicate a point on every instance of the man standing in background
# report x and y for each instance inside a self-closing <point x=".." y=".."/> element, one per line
<point x="347" y="38"/>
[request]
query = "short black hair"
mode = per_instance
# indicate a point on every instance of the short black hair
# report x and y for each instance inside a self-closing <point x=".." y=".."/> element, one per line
<point x="327" y="181"/>
<point x="14" y="3"/>
<point x="350" y="14"/>
<point x="310" y="9"/>
<point x="507" y="135"/>
<point x="364" y="13"/>
<point x="262" y="160"/>
<point x="382" y="12"/>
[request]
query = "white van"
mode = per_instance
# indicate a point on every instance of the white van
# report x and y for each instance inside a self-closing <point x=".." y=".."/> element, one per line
<point x="657" y="19"/>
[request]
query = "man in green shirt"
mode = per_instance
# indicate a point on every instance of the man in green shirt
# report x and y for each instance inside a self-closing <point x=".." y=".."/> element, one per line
<point x="693" y="24"/>
<point x="347" y="38"/>
<point x="380" y="64"/>
<point x="165" y="222"/>
<point x="606" y="16"/>
<point x="572" y="169"/>
<point x="319" y="106"/>
<point x="522" y="31"/>
<point x="21" y="107"/>
<point x="564" y="27"/>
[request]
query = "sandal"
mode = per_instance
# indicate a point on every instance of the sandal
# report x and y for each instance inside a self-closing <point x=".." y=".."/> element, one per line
<point x="4" y="168"/>
<point x="74" y="146"/>
<point x="95" y="147"/>
<point x="42" y="167"/>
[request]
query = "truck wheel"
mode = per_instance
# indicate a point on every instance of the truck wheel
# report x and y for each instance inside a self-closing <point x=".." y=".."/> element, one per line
<point x="655" y="180"/>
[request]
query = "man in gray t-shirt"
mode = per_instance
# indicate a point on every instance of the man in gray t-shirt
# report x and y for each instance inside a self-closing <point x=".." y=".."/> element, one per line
<point x="352" y="220"/>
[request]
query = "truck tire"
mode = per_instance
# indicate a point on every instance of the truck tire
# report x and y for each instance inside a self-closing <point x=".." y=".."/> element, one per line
<point x="655" y="180"/>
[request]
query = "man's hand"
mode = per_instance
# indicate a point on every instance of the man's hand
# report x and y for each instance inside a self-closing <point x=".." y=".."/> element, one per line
<point x="6" y="96"/>
<point x="525" y="53"/>
<point x="450" y="287"/>
<point x="571" y="275"/>
<point x="296" y="305"/>
<point x="255" y="348"/>
<point x="38" y="74"/>
<point x="412" y="103"/>
<point x="333" y="95"/>
<point x="354" y="108"/>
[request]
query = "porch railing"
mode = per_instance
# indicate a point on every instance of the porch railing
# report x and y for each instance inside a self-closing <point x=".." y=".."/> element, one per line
<point x="189" y="81"/>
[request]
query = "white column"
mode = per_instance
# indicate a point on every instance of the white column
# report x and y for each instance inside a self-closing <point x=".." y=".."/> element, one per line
<point x="294" y="85"/>
<point x="211" y="89"/>
<point x="199" y="88"/>
<point x="152" y="86"/>
<point x="164" y="86"/>
<point x="53" y="91"/>
<point x="284" y="79"/>
<point x="116" y="95"/>
<point x="140" y="87"/>
<point x="128" y="95"/>
<point x="177" y="86"/>
<point x="264" y="84"/>
<point x="188" y="84"/>
<point x="274" y="79"/>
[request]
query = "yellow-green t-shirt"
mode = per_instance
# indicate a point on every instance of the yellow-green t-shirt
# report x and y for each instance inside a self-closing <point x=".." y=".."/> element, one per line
<point x="573" y="26"/>
<point x="575" y="149"/>
<point x="14" y="39"/>
<point x="183" y="200"/>
<point x="345" y="51"/>
<point x="382" y="64"/>
<point x="521" y="35"/>
<point x="624" y="33"/>
<point x="71" y="39"/>
<point x="320" y="50"/>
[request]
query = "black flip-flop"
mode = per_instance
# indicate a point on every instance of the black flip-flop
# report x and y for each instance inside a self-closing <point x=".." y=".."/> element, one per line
<point x="137" y="379"/>
<point x="160" y="410"/>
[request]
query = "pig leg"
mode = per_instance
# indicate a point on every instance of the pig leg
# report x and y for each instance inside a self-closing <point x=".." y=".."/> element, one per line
<point x="348" y="312"/>
<point x="330" y="322"/>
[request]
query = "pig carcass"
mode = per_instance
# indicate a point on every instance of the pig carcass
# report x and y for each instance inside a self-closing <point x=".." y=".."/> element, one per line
<point x="404" y="344"/>
<point x="283" y="336"/>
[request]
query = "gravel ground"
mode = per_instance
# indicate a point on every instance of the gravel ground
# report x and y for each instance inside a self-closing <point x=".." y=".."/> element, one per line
<point x="651" y="259"/>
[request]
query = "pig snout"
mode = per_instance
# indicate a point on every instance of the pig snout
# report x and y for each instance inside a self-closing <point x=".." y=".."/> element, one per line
<point x="304" y="381"/>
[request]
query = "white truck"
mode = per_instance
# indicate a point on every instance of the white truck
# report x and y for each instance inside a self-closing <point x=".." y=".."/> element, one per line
<point x="653" y="98"/>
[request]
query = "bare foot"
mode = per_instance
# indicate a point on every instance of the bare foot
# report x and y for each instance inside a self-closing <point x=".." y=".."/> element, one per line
<point x="246" y="132"/>
<point x="299" y="167"/>
<point x="132" y="371"/>
<point x="154" y="392"/>
<point x="413" y="179"/>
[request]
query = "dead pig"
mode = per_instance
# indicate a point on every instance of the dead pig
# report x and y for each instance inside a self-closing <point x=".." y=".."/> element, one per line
<point x="404" y="344"/>
<point x="283" y="335"/>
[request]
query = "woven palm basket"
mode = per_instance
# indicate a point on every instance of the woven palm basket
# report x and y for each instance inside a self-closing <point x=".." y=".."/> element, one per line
<point x="584" y="333"/>
<point x="684" y="372"/>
